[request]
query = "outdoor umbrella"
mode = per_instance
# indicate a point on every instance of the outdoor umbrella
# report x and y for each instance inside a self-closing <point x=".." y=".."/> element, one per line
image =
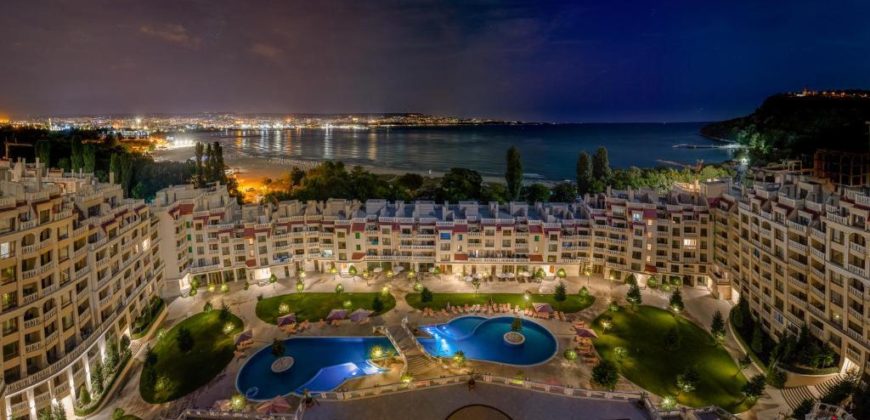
<point x="586" y="332"/>
<point x="359" y="315"/>
<point x="336" y="314"/>
<point x="286" y="319"/>
<point x="275" y="405"/>
<point x="542" y="307"/>
<point x="244" y="336"/>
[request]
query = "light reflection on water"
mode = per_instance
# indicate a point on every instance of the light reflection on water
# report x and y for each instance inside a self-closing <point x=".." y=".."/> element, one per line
<point x="549" y="152"/>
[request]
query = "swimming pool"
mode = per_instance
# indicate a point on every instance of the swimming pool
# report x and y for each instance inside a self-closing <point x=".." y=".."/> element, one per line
<point x="483" y="339"/>
<point x="320" y="364"/>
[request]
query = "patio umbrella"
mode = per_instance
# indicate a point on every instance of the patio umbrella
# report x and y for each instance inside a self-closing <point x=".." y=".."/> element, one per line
<point x="275" y="405"/>
<point x="286" y="319"/>
<point x="359" y="315"/>
<point x="336" y="314"/>
<point x="585" y="332"/>
<point x="542" y="307"/>
<point x="244" y="336"/>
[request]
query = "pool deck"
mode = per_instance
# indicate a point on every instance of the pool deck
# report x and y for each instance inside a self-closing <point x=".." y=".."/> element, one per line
<point x="699" y="307"/>
<point x="438" y="403"/>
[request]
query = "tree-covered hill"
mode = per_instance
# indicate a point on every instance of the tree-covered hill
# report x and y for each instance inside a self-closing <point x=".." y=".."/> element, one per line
<point x="796" y="125"/>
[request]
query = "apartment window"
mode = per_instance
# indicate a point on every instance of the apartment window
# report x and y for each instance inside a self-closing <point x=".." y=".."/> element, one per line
<point x="690" y="243"/>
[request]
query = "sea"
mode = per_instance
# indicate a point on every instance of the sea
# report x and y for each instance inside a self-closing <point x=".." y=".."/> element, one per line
<point x="549" y="151"/>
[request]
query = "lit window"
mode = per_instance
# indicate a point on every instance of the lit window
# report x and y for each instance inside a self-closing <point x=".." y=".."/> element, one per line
<point x="690" y="243"/>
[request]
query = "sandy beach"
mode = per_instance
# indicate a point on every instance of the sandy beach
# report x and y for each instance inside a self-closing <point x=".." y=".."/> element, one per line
<point x="250" y="168"/>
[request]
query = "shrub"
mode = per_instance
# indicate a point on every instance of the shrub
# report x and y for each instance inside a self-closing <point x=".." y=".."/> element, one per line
<point x="605" y="374"/>
<point x="184" y="340"/>
<point x="84" y="396"/>
<point x="776" y="377"/>
<point x="631" y="280"/>
<point x="584" y="292"/>
<point x="224" y="314"/>
<point x="753" y="388"/>
<point x="839" y="392"/>
<point x="560" y="294"/>
<point x="207" y="307"/>
<point x="118" y="413"/>
<point x="377" y="303"/>
<point x="277" y="347"/>
<point x="673" y="339"/>
<point x="804" y="408"/>
<point x="426" y="295"/>
<point x="688" y="380"/>
<point x="652" y="282"/>
<point x="517" y="324"/>
<point x="717" y="326"/>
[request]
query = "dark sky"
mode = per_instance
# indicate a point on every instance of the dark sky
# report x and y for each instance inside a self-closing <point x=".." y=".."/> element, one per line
<point x="535" y="60"/>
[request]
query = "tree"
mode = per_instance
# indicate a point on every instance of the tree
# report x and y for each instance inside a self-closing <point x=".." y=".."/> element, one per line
<point x="198" y="151"/>
<point x="563" y="192"/>
<point x="277" y="347"/>
<point x="377" y="303"/>
<point x="224" y="315"/>
<point x="737" y="313"/>
<point x="601" y="165"/>
<point x="560" y="294"/>
<point x="475" y="283"/>
<point x="43" y="152"/>
<point x="184" y="340"/>
<point x="76" y="154"/>
<point x="426" y="295"/>
<point x="409" y="181"/>
<point x="514" y="173"/>
<point x="89" y="158"/>
<point x="584" y="173"/>
<point x="633" y="296"/>
<point x="296" y="176"/>
<point x="115" y="166"/>
<point x="676" y="301"/>
<point x="536" y="193"/>
<point x="605" y="374"/>
<point x="97" y="378"/>
<point x="217" y="166"/>
<point x="804" y="408"/>
<point x="517" y="324"/>
<point x="631" y="280"/>
<point x="757" y="344"/>
<point x="84" y="396"/>
<point x="207" y="171"/>
<point x="688" y="380"/>
<point x="717" y="326"/>
<point x="754" y="387"/>
<point x="460" y="184"/>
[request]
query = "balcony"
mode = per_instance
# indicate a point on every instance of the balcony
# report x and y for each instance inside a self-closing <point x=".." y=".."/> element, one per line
<point x="856" y="292"/>
<point x="855" y="313"/>
<point x="33" y="322"/>
<point x="37" y="271"/>
<point x="816" y="311"/>
<point x="817" y="253"/>
<point x="854" y="269"/>
<point x="30" y="348"/>
<point x="860" y="249"/>
<point x="797" y="246"/>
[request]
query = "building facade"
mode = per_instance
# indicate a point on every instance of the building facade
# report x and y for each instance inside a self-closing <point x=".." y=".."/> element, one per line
<point x="78" y="263"/>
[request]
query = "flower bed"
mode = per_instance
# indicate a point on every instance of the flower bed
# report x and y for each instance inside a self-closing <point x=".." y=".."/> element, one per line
<point x="513" y="338"/>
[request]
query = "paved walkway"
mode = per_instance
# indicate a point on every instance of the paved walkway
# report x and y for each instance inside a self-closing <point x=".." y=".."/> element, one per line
<point x="438" y="403"/>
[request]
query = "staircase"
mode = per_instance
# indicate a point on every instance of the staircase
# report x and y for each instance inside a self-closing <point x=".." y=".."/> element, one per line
<point x="794" y="396"/>
<point x="418" y="362"/>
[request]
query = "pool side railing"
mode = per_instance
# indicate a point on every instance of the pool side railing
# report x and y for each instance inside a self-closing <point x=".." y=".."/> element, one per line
<point x="195" y="413"/>
<point x="561" y="390"/>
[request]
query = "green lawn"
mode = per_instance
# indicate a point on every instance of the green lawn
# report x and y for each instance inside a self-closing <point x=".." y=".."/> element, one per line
<point x="182" y="373"/>
<point x="316" y="306"/>
<point x="574" y="303"/>
<point x="652" y="366"/>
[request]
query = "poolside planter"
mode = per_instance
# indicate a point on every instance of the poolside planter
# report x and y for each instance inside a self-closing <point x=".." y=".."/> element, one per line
<point x="514" y="339"/>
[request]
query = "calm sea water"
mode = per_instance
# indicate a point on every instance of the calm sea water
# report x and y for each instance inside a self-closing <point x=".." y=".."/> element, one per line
<point x="549" y="151"/>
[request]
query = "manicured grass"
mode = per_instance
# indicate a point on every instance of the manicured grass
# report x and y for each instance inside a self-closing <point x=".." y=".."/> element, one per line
<point x="185" y="372"/>
<point x="574" y="303"/>
<point x="316" y="306"/>
<point x="650" y="364"/>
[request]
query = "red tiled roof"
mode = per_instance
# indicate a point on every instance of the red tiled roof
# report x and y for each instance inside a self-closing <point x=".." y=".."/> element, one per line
<point x="251" y="263"/>
<point x="358" y="256"/>
<point x="536" y="258"/>
<point x="535" y="229"/>
<point x="460" y="257"/>
<point x="358" y="227"/>
<point x="460" y="228"/>
<point x="186" y="209"/>
<point x="650" y="214"/>
<point x="651" y="269"/>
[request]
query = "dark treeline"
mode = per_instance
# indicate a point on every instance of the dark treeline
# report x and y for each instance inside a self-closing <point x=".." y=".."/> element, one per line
<point x="334" y="180"/>
<point x="97" y="152"/>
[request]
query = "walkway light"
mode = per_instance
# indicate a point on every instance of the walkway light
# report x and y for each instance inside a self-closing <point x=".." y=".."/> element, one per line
<point x="385" y="290"/>
<point x="669" y="403"/>
<point x="283" y="308"/>
<point x="339" y="288"/>
<point x="300" y="285"/>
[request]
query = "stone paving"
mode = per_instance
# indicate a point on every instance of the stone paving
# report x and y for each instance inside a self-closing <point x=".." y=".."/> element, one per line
<point x="700" y="306"/>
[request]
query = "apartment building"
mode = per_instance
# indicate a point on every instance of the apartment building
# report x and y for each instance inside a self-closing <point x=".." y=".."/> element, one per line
<point x="798" y="253"/>
<point x="78" y="263"/>
<point x="610" y="234"/>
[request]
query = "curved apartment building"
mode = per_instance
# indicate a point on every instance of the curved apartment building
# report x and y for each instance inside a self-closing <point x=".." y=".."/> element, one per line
<point x="78" y="263"/>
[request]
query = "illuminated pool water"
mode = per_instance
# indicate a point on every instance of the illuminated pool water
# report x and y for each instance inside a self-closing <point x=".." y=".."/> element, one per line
<point x="321" y="364"/>
<point x="483" y="339"/>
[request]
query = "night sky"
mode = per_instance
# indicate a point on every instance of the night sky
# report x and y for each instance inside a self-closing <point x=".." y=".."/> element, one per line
<point x="535" y="61"/>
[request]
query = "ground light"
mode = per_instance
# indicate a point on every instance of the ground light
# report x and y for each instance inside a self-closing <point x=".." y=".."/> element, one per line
<point x="283" y="308"/>
<point x="385" y="290"/>
<point x="669" y="403"/>
<point x="376" y="352"/>
<point x="238" y="402"/>
<point x="228" y="327"/>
